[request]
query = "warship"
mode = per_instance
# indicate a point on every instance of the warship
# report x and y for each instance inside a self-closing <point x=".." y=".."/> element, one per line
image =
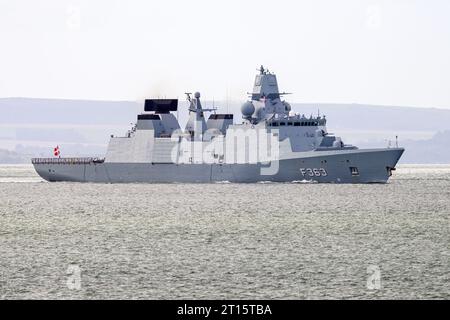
<point x="271" y="143"/>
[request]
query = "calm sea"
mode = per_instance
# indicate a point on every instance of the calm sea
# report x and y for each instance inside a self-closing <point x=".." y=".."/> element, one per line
<point x="262" y="241"/>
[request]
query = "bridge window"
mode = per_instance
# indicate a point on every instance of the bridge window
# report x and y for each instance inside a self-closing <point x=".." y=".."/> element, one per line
<point x="296" y="124"/>
<point x="282" y="124"/>
<point x="289" y="123"/>
<point x="274" y="124"/>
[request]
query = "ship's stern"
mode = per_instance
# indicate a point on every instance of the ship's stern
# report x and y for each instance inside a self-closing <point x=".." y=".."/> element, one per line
<point x="63" y="169"/>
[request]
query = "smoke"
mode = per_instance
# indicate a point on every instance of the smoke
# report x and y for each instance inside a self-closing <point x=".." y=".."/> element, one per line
<point x="161" y="84"/>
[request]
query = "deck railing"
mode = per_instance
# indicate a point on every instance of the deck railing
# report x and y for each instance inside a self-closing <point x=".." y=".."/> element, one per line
<point x="87" y="160"/>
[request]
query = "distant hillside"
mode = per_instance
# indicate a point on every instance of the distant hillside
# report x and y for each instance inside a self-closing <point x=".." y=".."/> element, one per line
<point x="55" y="111"/>
<point x="346" y="116"/>
<point x="7" y="157"/>
<point x="434" y="150"/>
<point x="372" y="117"/>
<point x="31" y="127"/>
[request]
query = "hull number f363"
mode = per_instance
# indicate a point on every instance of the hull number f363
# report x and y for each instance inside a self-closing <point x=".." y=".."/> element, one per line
<point x="313" y="172"/>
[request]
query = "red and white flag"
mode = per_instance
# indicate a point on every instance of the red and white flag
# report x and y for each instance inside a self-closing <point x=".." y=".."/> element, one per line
<point x="56" y="151"/>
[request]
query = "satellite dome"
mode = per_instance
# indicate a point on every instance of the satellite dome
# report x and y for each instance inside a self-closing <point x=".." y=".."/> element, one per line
<point x="197" y="95"/>
<point x="247" y="109"/>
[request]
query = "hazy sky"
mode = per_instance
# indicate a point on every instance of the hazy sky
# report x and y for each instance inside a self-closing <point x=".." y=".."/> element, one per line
<point x="394" y="52"/>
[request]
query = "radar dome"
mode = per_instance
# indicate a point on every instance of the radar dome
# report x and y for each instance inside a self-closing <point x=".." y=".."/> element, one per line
<point x="197" y="95"/>
<point x="247" y="109"/>
<point x="287" y="106"/>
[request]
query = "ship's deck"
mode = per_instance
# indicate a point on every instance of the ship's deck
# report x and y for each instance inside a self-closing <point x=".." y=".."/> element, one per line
<point x="85" y="160"/>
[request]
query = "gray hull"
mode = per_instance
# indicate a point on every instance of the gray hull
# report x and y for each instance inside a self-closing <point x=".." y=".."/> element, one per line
<point x="372" y="166"/>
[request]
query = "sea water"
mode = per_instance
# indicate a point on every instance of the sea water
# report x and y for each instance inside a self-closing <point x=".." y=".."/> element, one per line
<point x="225" y="241"/>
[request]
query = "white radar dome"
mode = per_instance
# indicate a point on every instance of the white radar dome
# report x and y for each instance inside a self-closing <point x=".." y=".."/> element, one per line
<point x="247" y="109"/>
<point x="287" y="106"/>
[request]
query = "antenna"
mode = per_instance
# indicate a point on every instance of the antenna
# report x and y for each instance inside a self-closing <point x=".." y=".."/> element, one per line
<point x="261" y="70"/>
<point x="396" y="141"/>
